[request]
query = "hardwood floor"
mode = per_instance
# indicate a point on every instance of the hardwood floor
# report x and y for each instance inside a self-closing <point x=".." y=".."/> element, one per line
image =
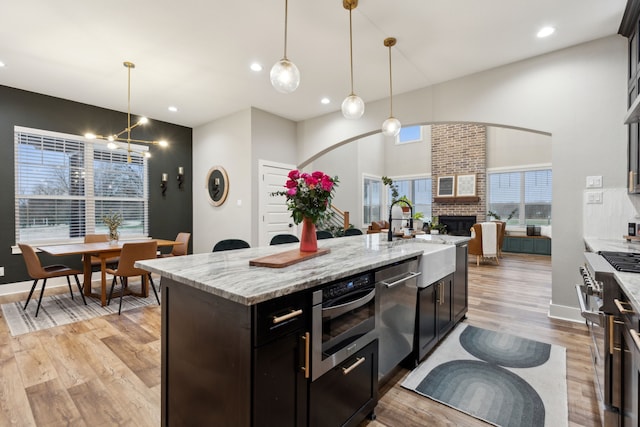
<point x="106" y="371"/>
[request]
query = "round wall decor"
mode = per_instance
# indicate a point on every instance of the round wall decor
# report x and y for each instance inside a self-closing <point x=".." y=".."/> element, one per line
<point x="217" y="185"/>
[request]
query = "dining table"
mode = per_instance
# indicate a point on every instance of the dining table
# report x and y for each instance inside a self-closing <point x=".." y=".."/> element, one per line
<point x="103" y="251"/>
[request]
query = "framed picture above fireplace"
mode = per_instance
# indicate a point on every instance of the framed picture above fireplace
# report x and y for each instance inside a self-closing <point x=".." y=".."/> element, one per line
<point x="466" y="185"/>
<point x="446" y="186"/>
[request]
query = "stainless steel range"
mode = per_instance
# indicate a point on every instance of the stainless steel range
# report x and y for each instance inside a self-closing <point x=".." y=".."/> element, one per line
<point x="599" y="296"/>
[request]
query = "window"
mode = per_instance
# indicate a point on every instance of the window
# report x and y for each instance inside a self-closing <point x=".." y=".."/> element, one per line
<point x="65" y="185"/>
<point x="372" y="200"/>
<point x="409" y="134"/>
<point x="526" y="192"/>
<point x="418" y="190"/>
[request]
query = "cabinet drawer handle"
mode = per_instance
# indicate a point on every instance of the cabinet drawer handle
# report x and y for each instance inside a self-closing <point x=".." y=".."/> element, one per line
<point x="635" y="337"/>
<point x="307" y="341"/>
<point x="291" y="315"/>
<point x="411" y="275"/>
<point x="623" y="310"/>
<point x="359" y="361"/>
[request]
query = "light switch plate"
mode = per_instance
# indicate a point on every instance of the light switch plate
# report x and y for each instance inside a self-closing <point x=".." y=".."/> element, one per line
<point x="594" y="197"/>
<point x="594" y="181"/>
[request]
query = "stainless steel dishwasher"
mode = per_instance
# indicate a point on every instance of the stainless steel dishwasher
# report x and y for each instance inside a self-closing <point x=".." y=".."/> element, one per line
<point x="397" y="287"/>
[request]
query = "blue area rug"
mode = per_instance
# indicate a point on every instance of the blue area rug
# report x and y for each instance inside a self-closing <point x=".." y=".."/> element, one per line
<point x="499" y="378"/>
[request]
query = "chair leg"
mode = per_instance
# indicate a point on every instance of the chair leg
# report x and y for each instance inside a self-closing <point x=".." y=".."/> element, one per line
<point x="124" y="281"/>
<point x="70" y="289"/>
<point x="79" y="288"/>
<point x="478" y="260"/>
<point x="44" y="283"/>
<point x="113" y="285"/>
<point x="154" y="288"/>
<point x="33" y="287"/>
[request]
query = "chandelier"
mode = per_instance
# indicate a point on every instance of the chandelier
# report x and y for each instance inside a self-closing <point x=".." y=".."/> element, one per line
<point x="391" y="126"/>
<point x="124" y="136"/>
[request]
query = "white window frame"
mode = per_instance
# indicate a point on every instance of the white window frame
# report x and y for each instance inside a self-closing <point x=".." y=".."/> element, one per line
<point x="420" y="138"/>
<point x="382" y="197"/>
<point x="89" y="197"/>
<point x="513" y="169"/>
<point x="408" y="178"/>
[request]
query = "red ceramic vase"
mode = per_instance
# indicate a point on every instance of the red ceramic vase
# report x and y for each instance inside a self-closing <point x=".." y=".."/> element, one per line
<point x="308" y="239"/>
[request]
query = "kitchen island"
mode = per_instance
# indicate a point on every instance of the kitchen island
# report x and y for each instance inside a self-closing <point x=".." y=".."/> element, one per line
<point x="236" y="338"/>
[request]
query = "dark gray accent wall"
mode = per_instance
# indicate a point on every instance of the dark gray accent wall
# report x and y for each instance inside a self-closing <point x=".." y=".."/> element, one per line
<point x="168" y="214"/>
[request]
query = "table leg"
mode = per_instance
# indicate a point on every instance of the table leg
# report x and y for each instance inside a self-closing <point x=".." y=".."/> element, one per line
<point x="86" y="262"/>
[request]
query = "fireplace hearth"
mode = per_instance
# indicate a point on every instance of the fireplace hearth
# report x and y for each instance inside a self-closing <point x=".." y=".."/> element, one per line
<point x="458" y="225"/>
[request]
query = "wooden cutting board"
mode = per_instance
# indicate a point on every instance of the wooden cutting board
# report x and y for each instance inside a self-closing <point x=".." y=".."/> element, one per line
<point x="285" y="259"/>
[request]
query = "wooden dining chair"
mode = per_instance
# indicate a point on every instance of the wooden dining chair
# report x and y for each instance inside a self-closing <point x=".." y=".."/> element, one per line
<point x="36" y="271"/>
<point x="95" y="261"/>
<point x="132" y="252"/>
<point x="178" y="250"/>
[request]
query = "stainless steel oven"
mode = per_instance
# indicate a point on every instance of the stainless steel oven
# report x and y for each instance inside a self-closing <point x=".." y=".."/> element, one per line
<point x="597" y="296"/>
<point x="343" y="321"/>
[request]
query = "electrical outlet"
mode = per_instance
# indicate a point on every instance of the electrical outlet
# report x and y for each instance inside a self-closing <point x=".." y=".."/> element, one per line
<point x="1" y="271"/>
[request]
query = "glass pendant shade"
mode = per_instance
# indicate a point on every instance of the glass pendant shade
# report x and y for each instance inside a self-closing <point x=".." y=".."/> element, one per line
<point x="285" y="76"/>
<point x="391" y="127"/>
<point x="352" y="107"/>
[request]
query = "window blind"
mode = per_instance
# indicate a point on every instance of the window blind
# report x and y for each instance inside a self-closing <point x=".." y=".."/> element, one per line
<point x="527" y="192"/>
<point x="64" y="185"/>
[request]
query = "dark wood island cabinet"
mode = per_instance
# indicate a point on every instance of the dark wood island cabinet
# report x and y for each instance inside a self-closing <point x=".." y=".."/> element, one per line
<point x="239" y="345"/>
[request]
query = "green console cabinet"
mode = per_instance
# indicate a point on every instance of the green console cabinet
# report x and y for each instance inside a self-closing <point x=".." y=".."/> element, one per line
<point x="540" y="245"/>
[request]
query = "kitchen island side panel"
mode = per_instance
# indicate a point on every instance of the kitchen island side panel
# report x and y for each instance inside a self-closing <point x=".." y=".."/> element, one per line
<point x="206" y="367"/>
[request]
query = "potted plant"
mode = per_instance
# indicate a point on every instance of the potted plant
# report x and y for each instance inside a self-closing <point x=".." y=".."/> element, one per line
<point x="418" y="222"/>
<point x="113" y="220"/>
<point x="437" y="228"/>
<point x="394" y="188"/>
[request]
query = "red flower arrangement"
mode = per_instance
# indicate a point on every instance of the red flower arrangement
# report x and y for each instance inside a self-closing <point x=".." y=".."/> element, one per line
<point x="308" y="195"/>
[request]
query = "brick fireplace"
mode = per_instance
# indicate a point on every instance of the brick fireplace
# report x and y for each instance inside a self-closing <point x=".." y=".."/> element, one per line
<point x="459" y="149"/>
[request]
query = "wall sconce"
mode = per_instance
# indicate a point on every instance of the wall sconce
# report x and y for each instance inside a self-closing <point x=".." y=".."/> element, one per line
<point x="163" y="184"/>
<point x="180" y="177"/>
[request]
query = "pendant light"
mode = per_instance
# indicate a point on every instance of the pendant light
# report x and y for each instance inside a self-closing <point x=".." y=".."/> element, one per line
<point x="352" y="106"/>
<point x="285" y="76"/>
<point x="124" y="136"/>
<point x="391" y="126"/>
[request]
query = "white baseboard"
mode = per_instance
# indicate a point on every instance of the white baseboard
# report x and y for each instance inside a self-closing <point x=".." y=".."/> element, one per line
<point x="564" y="312"/>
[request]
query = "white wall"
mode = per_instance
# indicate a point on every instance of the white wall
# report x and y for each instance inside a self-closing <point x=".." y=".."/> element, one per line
<point x="510" y="148"/>
<point x="273" y="138"/>
<point x="225" y="142"/>
<point x="408" y="159"/>
<point x="578" y="95"/>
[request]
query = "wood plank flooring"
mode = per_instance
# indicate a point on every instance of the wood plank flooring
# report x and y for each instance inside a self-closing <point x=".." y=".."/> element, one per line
<point x="106" y="371"/>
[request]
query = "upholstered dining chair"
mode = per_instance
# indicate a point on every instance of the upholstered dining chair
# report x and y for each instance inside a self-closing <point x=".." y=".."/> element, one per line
<point x="37" y="271"/>
<point x="477" y="244"/>
<point x="95" y="261"/>
<point x="230" y="244"/>
<point x="323" y="234"/>
<point x="280" y="239"/>
<point x="179" y="250"/>
<point x="132" y="252"/>
<point x="352" y="232"/>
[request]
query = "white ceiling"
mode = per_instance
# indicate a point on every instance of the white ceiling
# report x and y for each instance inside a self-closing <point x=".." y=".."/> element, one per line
<point x="195" y="54"/>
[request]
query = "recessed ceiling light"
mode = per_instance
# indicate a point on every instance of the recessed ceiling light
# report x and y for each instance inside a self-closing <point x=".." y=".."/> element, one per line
<point x="325" y="100"/>
<point x="545" y="32"/>
<point x="256" y="67"/>
<point x="2" y="64"/>
<point x="173" y="109"/>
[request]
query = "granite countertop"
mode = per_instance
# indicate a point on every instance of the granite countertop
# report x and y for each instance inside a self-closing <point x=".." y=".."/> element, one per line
<point x="629" y="282"/>
<point x="229" y="275"/>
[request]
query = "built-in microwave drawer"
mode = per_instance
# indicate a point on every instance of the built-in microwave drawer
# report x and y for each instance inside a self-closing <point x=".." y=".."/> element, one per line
<point x="280" y="316"/>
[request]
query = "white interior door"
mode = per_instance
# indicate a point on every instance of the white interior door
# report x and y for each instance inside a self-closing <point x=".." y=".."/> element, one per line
<point x="274" y="216"/>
